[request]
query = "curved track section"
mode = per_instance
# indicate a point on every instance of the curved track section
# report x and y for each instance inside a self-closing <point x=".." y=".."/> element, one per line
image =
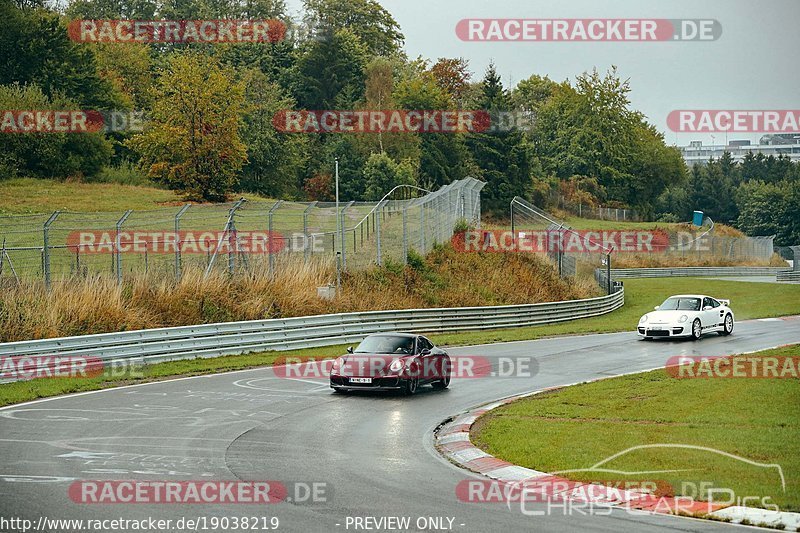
<point x="374" y="452"/>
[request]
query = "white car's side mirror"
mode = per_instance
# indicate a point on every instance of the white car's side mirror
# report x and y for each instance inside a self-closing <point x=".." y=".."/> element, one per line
<point x="656" y="308"/>
<point x="707" y="308"/>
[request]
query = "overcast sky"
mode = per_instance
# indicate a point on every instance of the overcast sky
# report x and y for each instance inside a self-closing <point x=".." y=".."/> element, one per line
<point x="753" y="65"/>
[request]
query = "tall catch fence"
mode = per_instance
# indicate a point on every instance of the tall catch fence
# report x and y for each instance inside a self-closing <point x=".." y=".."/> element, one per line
<point x="234" y="237"/>
<point x="573" y="252"/>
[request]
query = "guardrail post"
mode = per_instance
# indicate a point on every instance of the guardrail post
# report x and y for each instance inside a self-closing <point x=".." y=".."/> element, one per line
<point x="270" y="248"/>
<point x="178" y="216"/>
<point x="307" y="245"/>
<point x="120" y="222"/>
<point x="46" y="247"/>
<point x="608" y="272"/>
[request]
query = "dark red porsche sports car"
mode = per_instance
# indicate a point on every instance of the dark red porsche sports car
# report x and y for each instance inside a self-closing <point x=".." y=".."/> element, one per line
<point x="391" y="361"/>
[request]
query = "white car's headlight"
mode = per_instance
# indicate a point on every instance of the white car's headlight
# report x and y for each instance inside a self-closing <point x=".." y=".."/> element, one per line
<point x="396" y="366"/>
<point x="683" y="318"/>
<point x="643" y="319"/>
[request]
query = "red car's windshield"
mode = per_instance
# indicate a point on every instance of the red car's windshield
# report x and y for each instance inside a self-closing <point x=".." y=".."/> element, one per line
<point x="386" y="344"/>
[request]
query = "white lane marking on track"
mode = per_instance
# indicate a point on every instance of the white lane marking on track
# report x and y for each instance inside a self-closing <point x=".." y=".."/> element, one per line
<point x="251" y="384"/>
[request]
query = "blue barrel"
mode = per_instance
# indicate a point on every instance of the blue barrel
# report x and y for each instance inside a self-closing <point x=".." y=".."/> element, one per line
<point x="697" y="219"/>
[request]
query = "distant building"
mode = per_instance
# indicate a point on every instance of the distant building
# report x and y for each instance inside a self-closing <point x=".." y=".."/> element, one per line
<point x="775" y="145"/>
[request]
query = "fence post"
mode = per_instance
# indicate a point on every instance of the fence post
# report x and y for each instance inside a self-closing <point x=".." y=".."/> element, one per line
<point x="422" y="227"/>
<point x="270" y="248"/>
<point x="232" y="241"/>
<point x="608" y="273"/>
<point x="342" y="243"/>
<point x="513" y="232"/>
<point x="178" y="216"/>
<point x="405" y="235"/>
<point x="306" y="244"/>
<point x="228" y="226"/>
<point x="120" y="222"/>
<point x="378" y="210"/>
<point x="46" y="248"/>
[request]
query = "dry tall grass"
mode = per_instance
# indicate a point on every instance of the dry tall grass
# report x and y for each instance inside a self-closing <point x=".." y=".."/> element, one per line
<point x="674" y="260"/>
<point x="444" y="278"/>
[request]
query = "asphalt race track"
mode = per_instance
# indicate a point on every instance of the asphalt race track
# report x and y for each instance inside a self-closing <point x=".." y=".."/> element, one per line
<point x="373" y="451"/>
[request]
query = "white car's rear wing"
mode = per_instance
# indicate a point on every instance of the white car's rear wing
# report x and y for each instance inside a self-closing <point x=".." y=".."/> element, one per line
<point x="724" y="302"/>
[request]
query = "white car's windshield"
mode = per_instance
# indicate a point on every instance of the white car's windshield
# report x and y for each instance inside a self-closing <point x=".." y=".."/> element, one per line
<point x="680" y="304"/>
<point x="386" y="344"/>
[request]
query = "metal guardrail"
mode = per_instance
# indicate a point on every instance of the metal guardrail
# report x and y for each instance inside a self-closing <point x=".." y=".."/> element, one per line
<point x="625" y="273"/>
<point x="212" y="340"/>
<point x="788" y="275"/>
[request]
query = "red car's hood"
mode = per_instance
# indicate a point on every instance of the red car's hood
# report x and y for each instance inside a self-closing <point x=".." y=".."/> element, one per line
<point x="368" y="365"/>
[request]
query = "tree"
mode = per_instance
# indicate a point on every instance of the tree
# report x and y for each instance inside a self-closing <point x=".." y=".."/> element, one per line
<point x="713" y="192"/>
<point x="504" y="157"/>
<point x="48" y="155"/>
<point x="192" y="142"/>
<point x="367" y="19"/>
<point x="771" y="209"/>
<point x="330" y="73"/>
<point x="274" y="160"/>
<point x="35" y="48"/>
<point x="452" y="75"/>
<point x="590" y="130"/>
<point x="382" y="174"/>
<point x="531" y="93"/>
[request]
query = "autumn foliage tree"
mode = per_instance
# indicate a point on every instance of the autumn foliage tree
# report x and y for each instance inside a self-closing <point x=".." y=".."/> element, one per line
<point x="192" y="142"/>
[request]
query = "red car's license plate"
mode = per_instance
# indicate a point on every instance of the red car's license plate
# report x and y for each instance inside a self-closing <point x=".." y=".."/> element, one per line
<point x="360" y="380"/>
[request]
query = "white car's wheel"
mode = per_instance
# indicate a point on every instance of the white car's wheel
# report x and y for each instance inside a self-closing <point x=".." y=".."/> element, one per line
<point x="697" y="329"/>
<point x="727" y="327"/>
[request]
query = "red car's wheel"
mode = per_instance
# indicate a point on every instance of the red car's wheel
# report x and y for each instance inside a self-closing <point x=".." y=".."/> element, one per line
<point x="410" y="386"/>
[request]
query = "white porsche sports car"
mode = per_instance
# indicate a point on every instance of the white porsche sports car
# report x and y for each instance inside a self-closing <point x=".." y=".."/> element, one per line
<point x="687" y="315"/>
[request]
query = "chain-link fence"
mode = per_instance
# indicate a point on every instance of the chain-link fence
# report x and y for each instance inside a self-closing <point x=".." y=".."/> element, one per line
<point x="599" y="212"/>
<point x="573" y="251"/>
<point x="235" y="236"/>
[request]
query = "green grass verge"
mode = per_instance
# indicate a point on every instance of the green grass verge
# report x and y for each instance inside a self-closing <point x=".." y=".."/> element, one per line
<point x="24" y="391"/>
<point x="577" y="427"/>
<point x="749" y="300"/>
<point x="32" y="195"/>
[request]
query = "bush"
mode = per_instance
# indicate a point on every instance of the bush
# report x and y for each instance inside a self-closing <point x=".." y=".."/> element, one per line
<point x="49" y="155"/>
